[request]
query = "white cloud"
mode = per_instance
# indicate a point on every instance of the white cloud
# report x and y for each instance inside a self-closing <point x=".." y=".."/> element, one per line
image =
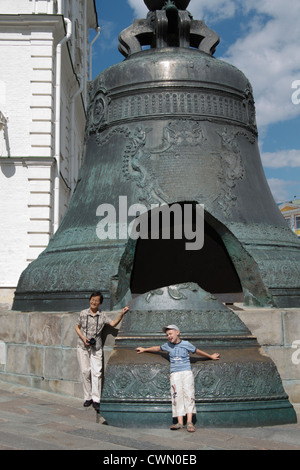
<point x="139" y="8"/>
<point x="280" y="189"/>
<point x="285" y="158"/>
<point x="109" y="39"/>
<point x="269" y="55"/>
<point x="212" y="11"/>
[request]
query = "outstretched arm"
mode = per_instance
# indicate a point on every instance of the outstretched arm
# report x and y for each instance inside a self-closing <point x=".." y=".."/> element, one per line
<point x="117" y="321"/>
<point x="214" y="356"/>
<point x="152" y="349"/>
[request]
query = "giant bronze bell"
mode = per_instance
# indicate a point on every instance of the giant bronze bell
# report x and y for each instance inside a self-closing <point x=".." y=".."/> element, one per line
<point x="172" y="124"/>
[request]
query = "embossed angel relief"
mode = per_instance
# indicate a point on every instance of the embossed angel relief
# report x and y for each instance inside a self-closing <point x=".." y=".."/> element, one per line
<point x="183" y="132"/>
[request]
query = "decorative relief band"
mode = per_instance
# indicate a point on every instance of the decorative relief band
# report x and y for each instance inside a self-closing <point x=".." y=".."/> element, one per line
<point x="104" y="111"/>
<point x="212" y="322"/>
<point x="70" y="271"/>
<point x="176" y="103"/>
<point x="213" y="382"/>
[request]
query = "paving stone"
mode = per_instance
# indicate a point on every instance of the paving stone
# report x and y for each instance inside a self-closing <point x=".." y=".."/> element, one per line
<point x="37" y="420"/>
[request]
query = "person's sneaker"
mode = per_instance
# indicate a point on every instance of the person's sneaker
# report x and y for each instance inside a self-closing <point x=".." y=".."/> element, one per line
<point x="87" y="403"/>
<point x="96" y="406"/>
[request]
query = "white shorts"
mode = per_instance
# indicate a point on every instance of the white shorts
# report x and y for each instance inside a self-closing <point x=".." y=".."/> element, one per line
<point x="182" y="393"/>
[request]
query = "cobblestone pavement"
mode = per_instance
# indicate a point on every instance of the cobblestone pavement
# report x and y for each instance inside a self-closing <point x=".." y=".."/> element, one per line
<point x="31" y="419"/>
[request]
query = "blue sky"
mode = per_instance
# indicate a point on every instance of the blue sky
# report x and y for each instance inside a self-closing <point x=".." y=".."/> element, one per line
<point x="261" y="38"/>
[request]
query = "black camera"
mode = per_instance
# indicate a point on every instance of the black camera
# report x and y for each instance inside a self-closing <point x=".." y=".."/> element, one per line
<point x="92" y="342"/>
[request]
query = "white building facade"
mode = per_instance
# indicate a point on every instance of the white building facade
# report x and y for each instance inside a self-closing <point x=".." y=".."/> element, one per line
<point x="45" y="68"/>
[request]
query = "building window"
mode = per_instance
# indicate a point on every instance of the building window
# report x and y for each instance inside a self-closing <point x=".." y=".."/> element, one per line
<point x="288" y="221"/>
<point x="297" y="222"/>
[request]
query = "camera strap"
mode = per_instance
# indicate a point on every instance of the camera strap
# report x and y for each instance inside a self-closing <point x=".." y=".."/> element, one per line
<point x="87" y="323"/>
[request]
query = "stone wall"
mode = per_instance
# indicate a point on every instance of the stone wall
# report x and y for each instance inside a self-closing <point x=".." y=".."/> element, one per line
<point x="278" y="332"/>
<point x="39" y="349"/>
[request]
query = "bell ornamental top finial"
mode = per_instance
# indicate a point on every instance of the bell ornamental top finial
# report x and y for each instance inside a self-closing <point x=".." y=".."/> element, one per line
<point x="159" y="4"/>
<point x="168" y="24"/>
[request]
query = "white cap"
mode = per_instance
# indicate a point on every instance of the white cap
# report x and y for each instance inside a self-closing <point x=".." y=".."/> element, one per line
<point x="170" y="327"/>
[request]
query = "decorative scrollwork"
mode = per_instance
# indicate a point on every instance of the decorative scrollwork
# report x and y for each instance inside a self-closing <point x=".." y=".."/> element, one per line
<point x="214" y="382"/>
